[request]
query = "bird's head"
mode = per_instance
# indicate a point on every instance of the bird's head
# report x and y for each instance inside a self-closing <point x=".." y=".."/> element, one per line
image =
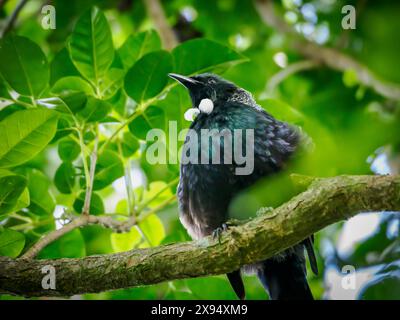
<point x="206" y="86"/>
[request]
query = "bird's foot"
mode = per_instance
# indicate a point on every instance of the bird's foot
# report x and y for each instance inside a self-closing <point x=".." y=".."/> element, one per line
<point x="218" y="232"/>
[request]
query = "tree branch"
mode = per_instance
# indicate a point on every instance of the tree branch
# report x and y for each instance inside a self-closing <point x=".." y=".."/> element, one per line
<point x="326" y="201"/>
<point x="327" y="56"/>
<point x="157" y="15"/>
<point x="13" y="17"/>
<point x="291" y="69"/>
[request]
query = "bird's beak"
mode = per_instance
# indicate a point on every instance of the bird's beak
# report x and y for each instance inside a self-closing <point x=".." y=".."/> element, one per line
<point x="188" y="82"/>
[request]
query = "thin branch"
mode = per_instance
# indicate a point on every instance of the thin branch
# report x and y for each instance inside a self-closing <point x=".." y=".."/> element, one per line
<point x="87" y="219"/>
<point x="157" y="15"/>
<point x="280" y="76"/>
<point x="2" y="3"/>
<point x="52" y="236"/>
<point x="13" y="17"/>
<point x="89" y="189"/>
<point x="326" y="201"/>
<point x="327" y="56"/>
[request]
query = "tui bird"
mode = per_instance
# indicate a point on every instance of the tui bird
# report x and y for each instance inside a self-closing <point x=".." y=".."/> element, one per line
<point x="206" y="189"/>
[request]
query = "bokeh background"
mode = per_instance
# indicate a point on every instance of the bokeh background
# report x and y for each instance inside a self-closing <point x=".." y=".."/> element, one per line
<point x="352" y="128"/>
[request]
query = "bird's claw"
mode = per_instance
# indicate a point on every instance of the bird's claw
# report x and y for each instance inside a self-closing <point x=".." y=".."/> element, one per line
<point x="218" y="232"/>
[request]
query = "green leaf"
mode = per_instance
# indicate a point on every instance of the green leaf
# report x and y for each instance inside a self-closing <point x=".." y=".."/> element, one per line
<point x="97" y="240"/>
<point x="71" y="245"/>
<point x="350" y="78"/>
<point x="11" y="243"/>
<point x="202" y="55"/>
<point x="118" y="101"/>
<point x="67" y="85"/>
<point x="152" y="228"/>
<point x="125" y="241"/>
<point x="24" y="134"/>
<point x="91" y="45"/>
<point x="42" y="202"/>
<point x="64" y="178"/>
<point x="109" y="167"/>
<point x="148" y="76"/>
<point x="96" y="203"/>
<point x="112" y="81"/>
<point x="23" y="201"/>
<point x="175" y="105"/>
<point x="154" y="188"/>
<point x="74" y="101"/>
<point x="61" y="66"/>
<point x="23" y="65"/>
<point x="152" y="117"/>
<point x="94" y="110"/>
<point x="68" y="150"/>
<point x="129" y="144"/>
<point x="136" y="46"/>
<point x="12" y="186"/>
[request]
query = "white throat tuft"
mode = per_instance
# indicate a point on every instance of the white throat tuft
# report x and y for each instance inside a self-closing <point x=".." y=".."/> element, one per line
<point x="191" y="114"/>
<point x="206" y="106"/>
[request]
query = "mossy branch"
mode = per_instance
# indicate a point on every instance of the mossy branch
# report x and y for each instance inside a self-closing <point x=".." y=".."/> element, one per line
<point x="326" y="201"/>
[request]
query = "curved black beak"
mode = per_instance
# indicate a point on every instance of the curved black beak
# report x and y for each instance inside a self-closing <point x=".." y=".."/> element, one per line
<point x="188" y="82"/>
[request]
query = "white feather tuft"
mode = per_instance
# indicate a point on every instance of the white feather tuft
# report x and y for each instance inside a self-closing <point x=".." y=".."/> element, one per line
<point x="191" y="114"/>
<point x="206" y="106"/>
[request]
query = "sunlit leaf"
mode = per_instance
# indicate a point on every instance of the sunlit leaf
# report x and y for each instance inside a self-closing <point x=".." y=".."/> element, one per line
<point x="23" y="65"/>
<point x="91" y="46"/>
<point x="11" y="243"/>
<point x="25" y="134"/>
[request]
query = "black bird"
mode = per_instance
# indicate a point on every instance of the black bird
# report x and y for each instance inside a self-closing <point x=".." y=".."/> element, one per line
<point x="205" y="189"/>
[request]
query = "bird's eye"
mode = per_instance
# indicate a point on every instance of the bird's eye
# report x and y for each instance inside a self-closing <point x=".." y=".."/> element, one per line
<point x="210" y="81"/>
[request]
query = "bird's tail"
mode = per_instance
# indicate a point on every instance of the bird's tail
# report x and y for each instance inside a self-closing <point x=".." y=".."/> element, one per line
<point x="236" y="282"/>
<point x="285" y="279"/>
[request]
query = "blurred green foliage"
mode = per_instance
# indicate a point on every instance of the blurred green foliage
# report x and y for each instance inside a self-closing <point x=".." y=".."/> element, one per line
<point x="100" y="77"/>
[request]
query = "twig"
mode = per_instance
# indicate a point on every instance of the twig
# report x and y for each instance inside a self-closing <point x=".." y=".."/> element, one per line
<point x="54" y="235"/>
<point x="89" y="189"/>
<point x="2" y="3"/>
<point x="129" y="190"/>
<point x="13" y="17"/>
<point x="329" y="57"/>
<point x="83" y="220"/>
<point x="280" y="76"/>
<point x="157" y="15"/>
